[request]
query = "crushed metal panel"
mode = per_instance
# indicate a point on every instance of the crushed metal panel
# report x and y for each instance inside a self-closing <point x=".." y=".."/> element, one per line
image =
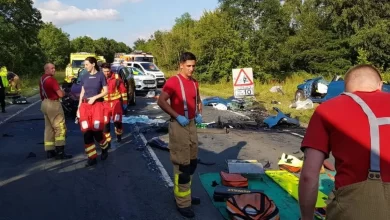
<point x="245" y="166"/>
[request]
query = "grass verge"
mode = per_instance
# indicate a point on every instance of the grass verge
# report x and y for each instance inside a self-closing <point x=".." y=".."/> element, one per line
<point x="263" y="94"/>
<point x="266" y="97"/>
<point x="30" y="83"/>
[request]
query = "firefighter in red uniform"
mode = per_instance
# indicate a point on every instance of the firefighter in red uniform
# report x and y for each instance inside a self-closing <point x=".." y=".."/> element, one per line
<point x="185" y="108"/>
<point x="55" y="128"/>
<point x="112" y="103"/>
<point x="90" y="112"/>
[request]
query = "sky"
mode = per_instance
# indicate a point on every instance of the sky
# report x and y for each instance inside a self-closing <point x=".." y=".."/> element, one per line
<point x="121" y="20"/>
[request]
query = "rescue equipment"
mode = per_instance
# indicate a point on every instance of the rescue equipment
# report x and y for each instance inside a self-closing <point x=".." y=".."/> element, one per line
<point x="221" y="193"/>
<point x="233" y="180"/>
<point x="256" y="206"/>
<point x="290" y="182"/>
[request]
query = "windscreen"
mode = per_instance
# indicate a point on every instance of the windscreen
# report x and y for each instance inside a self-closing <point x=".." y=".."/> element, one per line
<point x="77" y="63"/>
<point x="150" y="67"/>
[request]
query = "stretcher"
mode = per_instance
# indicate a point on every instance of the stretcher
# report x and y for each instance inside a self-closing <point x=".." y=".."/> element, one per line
<point x="289" y="182"/>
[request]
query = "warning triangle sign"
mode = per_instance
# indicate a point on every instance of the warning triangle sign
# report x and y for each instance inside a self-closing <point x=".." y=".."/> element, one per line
<point x="243" y="79"/>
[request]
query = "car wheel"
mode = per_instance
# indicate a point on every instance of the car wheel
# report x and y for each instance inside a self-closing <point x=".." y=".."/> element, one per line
<point x="132" y="101"/>
<point x="299" y="95"/>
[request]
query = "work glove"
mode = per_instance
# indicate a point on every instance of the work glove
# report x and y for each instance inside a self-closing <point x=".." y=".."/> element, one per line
<point x="124" y="106"/>
<point x="183" y="121"/>
<point x="198" y="119"/>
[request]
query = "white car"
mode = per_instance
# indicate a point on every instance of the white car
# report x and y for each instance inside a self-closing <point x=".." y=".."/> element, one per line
<point x="143" y="82"/>
<point x="150" y="69"/>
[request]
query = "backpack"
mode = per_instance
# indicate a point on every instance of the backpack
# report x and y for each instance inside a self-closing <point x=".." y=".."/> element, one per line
<point x="252" y="206"/>
<point x="233" y="180"/>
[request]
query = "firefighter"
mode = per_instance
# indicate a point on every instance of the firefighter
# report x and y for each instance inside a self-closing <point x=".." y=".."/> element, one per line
<point x="14" y="82"/>
<point x="353" y="127"/>
<point x="2" y="95"/>
<point x="55" y="128"/>
<point x="112" y="104"/>
<point x="185" y="109"/>
<point x="90" y="110"/>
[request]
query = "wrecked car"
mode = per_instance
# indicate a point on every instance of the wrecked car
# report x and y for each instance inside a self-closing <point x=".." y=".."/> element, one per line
<point x="72" y="93"/>
<point x="319" y="90"/>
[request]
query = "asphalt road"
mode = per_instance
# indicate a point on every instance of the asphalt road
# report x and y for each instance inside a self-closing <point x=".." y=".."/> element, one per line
<point x="130" y="184"/>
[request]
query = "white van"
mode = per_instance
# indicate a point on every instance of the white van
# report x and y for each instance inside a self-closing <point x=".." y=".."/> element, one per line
<point x="150" y="69"/>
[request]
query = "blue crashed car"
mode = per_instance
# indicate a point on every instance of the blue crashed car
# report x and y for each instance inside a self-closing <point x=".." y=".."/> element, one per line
<point x="319" y="90"/>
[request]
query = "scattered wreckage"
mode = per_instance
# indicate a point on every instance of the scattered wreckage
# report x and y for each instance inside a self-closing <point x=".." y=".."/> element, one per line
<point x="319" y="90"/>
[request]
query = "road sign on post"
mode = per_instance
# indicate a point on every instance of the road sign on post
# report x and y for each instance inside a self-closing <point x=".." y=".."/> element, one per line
<point x="243" y="82"/>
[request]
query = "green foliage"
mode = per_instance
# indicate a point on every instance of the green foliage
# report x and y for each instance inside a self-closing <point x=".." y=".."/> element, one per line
<point x="323" y="37"/>
<point x="26" y="43"/>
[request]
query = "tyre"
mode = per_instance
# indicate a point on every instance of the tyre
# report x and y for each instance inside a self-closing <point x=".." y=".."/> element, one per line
<point x="299" y="95"/>
<point x="132" y="100"/>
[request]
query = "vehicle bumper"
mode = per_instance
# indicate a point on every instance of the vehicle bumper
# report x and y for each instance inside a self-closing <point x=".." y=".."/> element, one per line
<point x="144" y="88"/>
<point x="160" y="81"/>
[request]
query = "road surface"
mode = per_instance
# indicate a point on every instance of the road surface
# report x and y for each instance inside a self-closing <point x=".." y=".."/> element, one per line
<point x="133" y="183"/>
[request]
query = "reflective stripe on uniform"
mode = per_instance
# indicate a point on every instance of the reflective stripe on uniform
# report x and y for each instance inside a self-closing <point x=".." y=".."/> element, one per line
<point x="48" y="143"/>
<point x="43" y="90"/>
<point x="61" y="133"/>
<point x="374" y="124"/>
<point x="185" y="98"/>
<point x="176" y="188"/>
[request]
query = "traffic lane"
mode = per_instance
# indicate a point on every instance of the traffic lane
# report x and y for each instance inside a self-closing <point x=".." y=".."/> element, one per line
<point x="125" y="186"/>
<point x="16" y="108"/>
<point x="217" y="148"/>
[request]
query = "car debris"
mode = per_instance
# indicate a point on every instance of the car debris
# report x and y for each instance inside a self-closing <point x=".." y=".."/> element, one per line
<point x="280" y="118"/>
<point x="144" y="119"/>
<point x="299" y="105"/>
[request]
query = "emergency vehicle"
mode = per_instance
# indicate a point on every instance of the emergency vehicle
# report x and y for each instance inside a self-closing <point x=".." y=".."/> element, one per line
<point x="135" y="56"/>
<point x="76" y="62"/>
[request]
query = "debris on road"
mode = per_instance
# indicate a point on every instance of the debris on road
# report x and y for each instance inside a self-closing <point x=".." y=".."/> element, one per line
<point x="280" y="118"/>
<point x="156" y="142"/>
<point x="144" y="119"/>
<point x="245" y="166"/>
<point x="31" y="154"/>
<point x="306" y="104"/>
<point x="7" y="135"/>
<point x="244" y="104"/>
<point x="275" y="89"/>
<point x="220" y="106"/>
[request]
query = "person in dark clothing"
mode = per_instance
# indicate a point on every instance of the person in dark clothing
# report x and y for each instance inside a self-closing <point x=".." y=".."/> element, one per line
<point x="2" y="96"/>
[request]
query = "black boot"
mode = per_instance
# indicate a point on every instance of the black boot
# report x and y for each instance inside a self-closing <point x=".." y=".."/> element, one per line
<point x="50" y="154"/>
<point x="3" y="110"/>
<point x="186" y="212"/>
<point x="194" y="200"/>
<point x="104" y="154"/>
<point x="91" y="162"/>
<point x="119" y="138"/>
<point x="61" y="153"/>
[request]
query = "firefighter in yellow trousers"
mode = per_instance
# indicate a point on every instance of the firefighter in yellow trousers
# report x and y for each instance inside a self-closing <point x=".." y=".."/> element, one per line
<point x="112" y="103"/>
<point x="55" y="128"/>
<point x="185" y="110"/>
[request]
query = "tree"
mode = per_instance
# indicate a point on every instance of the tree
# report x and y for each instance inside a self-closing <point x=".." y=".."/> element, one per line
<point x="56" y="45"/>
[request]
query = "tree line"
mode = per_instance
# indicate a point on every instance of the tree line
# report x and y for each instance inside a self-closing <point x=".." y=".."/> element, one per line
<point x="26" y="42"/>
<point x="278" y="38"/>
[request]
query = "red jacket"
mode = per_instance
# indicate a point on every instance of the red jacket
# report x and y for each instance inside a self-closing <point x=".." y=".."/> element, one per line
<point x="115" y="91"/>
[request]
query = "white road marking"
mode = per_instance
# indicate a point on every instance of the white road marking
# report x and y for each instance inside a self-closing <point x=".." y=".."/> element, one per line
<point x="18" y="112"/>
<point x="240" y="114"/>
<point x="293" y="133"/>
<point x="163" y="172"/>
